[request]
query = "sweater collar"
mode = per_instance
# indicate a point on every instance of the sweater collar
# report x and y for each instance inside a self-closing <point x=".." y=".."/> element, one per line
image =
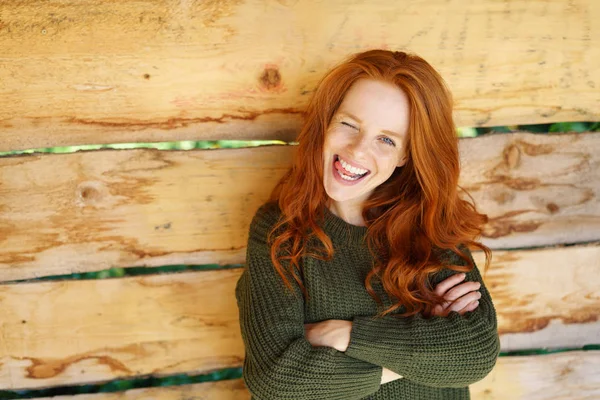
<point x="339" y="230"/>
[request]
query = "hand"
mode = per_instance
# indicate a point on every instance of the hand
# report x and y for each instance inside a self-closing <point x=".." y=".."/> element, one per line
<point x="461" y="298"/>
<point x="331" y="333"/>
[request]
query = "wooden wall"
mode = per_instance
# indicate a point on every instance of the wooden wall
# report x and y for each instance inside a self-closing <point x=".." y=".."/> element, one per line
<point x="91" y="72"/>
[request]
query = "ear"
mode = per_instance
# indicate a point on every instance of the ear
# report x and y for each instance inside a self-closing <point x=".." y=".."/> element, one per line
<point x="402" y="162"/>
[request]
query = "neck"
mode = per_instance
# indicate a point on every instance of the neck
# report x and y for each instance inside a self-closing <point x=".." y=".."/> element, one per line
<point x="342" y="232"/>
<point x="349" y="212"/>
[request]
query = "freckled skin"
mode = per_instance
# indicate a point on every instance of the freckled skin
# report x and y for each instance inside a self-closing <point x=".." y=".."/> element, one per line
<point x="379" y="106"/>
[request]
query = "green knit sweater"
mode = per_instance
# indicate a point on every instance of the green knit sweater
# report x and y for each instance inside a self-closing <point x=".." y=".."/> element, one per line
<point x="437" y="357"/>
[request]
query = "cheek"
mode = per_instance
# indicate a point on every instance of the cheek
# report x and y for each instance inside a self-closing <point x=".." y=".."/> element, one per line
<point x="386" y="151"/>
<point x="335" y="138"/>
<point x="388" y="158"/>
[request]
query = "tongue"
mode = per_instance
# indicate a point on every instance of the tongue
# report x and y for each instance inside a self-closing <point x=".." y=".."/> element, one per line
<point x="339" y="167"/>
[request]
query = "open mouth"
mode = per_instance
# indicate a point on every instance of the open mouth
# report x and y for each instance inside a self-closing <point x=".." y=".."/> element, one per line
<point x="345" y="174"/>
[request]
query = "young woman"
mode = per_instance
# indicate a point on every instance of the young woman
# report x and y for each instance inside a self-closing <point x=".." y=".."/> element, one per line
<point x="352" y="287"/>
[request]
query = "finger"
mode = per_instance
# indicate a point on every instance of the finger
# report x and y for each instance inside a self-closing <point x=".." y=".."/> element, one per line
<point x="447" y="283"/>
<point x="448" y="306"/>
<point x="462" y="302"/>
<point x="467" y="299"/>
<point x="461" y="290"/>
<point x="439" y="311"/>
<point x="472" y="306"/>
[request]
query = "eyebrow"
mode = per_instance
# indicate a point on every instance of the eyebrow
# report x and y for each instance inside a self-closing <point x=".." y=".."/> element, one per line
<point x="398" y="136"/>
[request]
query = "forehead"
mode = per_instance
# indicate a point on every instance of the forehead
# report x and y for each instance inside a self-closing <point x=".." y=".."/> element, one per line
<point x="379" y="105"/>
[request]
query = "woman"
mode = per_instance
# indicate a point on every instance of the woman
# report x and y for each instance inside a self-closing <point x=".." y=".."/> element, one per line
<point x="351" y="288"/>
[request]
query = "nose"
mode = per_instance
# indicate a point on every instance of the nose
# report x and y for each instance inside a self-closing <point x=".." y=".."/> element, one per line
<point x="358" y="147"/>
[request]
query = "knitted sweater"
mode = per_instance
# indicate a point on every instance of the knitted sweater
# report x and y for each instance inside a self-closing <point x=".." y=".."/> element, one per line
<point x="437" y="357"/>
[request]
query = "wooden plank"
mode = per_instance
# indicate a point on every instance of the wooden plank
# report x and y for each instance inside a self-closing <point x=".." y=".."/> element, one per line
<point x="71" y="332"/>
<point x="91" y="71"/>
<point x="230" y="389"/>
<point x="86" y="211"/>
<point x="78" y="331"/>
<point x="547" y="297"/>
<point x="572" y="375"/>
<point x="537" y="189"/>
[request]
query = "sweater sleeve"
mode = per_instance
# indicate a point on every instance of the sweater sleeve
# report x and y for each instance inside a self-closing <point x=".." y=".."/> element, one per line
<point x="280" y="363"/>
<point x="452" y="351"/>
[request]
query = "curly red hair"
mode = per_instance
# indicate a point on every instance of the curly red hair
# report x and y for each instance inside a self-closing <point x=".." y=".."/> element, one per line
<point x="411" y="215"/>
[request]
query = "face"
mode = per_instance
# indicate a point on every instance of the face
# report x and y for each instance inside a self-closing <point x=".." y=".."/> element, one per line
<point x="365" y="140"/>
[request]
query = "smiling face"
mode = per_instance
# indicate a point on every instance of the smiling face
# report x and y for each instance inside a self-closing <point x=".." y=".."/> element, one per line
<point x="365" y="141"/>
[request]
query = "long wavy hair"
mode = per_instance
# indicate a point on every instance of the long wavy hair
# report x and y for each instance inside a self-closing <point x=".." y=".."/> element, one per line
<point x="408" y="217"/>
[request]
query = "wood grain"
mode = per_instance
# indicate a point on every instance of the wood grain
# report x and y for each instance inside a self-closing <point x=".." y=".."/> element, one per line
<point x="56" y="333"/>
<point x="95" y="71"/>
<point x="547" y="297"/>
<point x="536" y="189"/>
<point x="230" y="389"/>
<point x="572" y="376"/>
<point x="81" y="331"/>
<point x="87" y="211"/>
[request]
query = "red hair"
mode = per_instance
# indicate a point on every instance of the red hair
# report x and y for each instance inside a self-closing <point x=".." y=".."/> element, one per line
<point x="416" y="211"/>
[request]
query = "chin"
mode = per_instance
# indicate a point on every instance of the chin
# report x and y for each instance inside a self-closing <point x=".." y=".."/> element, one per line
<point x="341" y="195"/>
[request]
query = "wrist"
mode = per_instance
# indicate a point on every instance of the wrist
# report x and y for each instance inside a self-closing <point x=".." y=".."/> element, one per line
<point x="343" y="336"/>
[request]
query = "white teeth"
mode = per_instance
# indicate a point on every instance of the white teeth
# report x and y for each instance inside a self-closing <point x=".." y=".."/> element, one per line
<point x="347" y="177"/>
<point x="350" y="168"/>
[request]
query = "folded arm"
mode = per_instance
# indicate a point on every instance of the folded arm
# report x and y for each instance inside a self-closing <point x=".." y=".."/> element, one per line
<point x="452" y="351"/>
<point x="279" y="362"/>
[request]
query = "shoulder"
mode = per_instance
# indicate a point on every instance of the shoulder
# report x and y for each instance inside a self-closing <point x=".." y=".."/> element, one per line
<point x="266" y="216"/>
<point x="448" y="258"/>
<point x="268" y="211"/>
<point x="264" y="220"/>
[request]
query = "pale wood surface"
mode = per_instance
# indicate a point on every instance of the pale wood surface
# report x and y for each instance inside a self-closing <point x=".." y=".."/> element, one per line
<point x="561" y="376"/>
<point x="230" y="389"/>
<point x="87" y="211"/>
<point x="92" y="71"/>
<point x="547" y="297"/>
<point x="77" y="331"/>
<point x="573" y="375"/>
<point x="537" y="189"/>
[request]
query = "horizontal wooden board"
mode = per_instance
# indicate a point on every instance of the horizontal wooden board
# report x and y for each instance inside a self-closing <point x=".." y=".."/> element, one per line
<point x="537" y="189"/>
<point x="67" y="332"/>
<point x="87" y="211"/>
<point x="548" y="297"/>
<point x="573" y="376"/>
<point x="78" y="331"/>
<point x="92" y="71"/>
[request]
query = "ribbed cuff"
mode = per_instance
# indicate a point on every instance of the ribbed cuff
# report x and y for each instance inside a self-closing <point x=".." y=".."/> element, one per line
<point x="366" y="334"/>
<point x="362" y="377"/>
